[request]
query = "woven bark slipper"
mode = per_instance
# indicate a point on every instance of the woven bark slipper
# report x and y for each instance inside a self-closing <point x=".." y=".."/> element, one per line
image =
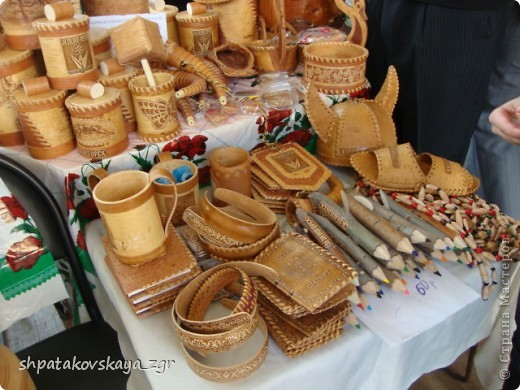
<point x="391" y="169"/>
<point x="448" y="175"/>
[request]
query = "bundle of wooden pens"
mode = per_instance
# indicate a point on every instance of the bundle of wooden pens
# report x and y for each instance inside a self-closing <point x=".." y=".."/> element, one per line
<point x="378" y="243"/>
<point x="471" y="231"/>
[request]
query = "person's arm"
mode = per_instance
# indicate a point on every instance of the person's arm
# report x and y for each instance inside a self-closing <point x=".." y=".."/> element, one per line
<point x="505" y="121"/>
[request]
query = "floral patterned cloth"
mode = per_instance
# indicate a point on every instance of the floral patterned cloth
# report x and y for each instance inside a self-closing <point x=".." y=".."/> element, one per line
<point x="251" y="131"/>
<point x="26" y="265"/>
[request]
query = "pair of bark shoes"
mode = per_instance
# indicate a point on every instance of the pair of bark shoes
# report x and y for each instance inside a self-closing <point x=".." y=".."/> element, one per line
<point x="398" y="168"/>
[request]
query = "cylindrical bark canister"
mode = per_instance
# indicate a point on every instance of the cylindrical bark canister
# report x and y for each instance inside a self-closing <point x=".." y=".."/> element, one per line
<point x="237" y="21"/>
<point x="15" y="66"/>
<point x="45" y="123"/>
<point x="20" y="36"/>
<point x="230" y="168"/>
<point x="120" y="81"/>
<point x="155" y="107"/>
<point x="98" y="124"/>
<point x="198" y="33"/>
<point x="67" y="51"/>
<point x="100" y="38"/>
<point x="171" y="23"/>
<point x="115" y="7"/>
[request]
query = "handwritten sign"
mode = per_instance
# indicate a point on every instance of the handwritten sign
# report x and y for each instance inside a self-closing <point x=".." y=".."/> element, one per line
<point x="397" y="317"/>
<point x="111" y="21"/>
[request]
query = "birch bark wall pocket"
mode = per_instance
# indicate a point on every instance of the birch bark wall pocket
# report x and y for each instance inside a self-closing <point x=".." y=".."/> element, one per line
<point x="240" y="30"/>
<point x="353" y="125"/>
<point x="44" y="119"/>
<point x="335" y="67"/>
<point x="120" y="80"/>
<point x="67" y="51"/>
<point x="98" y="124"/>
<point x="15" y="66"/>
<point x="198" y="33"/>
<point x="130" y="214"/>
<point x="155" y="107"/>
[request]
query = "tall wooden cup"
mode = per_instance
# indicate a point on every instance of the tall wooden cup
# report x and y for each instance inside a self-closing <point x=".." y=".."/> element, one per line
<point x="127" y="203"/>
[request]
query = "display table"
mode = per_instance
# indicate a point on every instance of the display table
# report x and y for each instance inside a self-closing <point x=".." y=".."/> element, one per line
<point x="359" y="359"/>
<point x="66" y="178"/>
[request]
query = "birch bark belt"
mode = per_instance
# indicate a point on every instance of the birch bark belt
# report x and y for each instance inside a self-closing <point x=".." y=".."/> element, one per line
<point x="201" y="337"/>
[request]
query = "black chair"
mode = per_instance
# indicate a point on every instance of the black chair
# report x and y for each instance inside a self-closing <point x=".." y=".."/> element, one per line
<point x="94" y="344"/>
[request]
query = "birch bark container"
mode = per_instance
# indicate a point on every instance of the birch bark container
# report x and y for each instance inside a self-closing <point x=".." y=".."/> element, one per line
<point x="171" y="23"/>
<point x="98" y="124"/>
<point x="100" y="38"/>
<point x="115" y="7"/>
<point x="155" y="107"/>
<point x="198" y="34"/>
<point x="20" y="36"/>
<point x="335" y="67"/>
<point x="67" y="51"/>
<point x="15" y="66"/>
<point x="237" y="20"/>
<point x="120" y="81"/>
<point x="45" y="123"/>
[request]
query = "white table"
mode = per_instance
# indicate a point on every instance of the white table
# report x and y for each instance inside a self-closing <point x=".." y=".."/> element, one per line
<point x="357" y="360"/>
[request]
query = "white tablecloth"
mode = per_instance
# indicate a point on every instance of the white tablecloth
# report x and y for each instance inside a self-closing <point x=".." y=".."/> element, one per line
<point x="359" y="359"/>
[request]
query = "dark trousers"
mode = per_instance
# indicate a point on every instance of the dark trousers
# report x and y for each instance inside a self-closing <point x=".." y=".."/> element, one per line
<point x="513" y="382"/>
<point x="444" y="57"/>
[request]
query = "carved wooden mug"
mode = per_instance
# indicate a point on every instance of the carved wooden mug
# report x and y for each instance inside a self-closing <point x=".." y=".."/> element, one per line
<point x="128" y="204"/>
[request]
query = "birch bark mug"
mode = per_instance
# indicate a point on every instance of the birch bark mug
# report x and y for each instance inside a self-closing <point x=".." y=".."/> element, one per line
<point x="128" y="204"/>
<point x="187" y="190"/>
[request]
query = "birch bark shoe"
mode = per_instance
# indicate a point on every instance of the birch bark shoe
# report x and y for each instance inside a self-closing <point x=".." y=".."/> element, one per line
<point x="391" y="169"/>
<point x="448" y="175"/>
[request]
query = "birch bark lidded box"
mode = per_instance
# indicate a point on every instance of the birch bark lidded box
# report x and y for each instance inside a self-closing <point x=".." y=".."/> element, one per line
<point x="44" y="119"/>
<point x="97" y="121"/>
<point x="67" y="50"/>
